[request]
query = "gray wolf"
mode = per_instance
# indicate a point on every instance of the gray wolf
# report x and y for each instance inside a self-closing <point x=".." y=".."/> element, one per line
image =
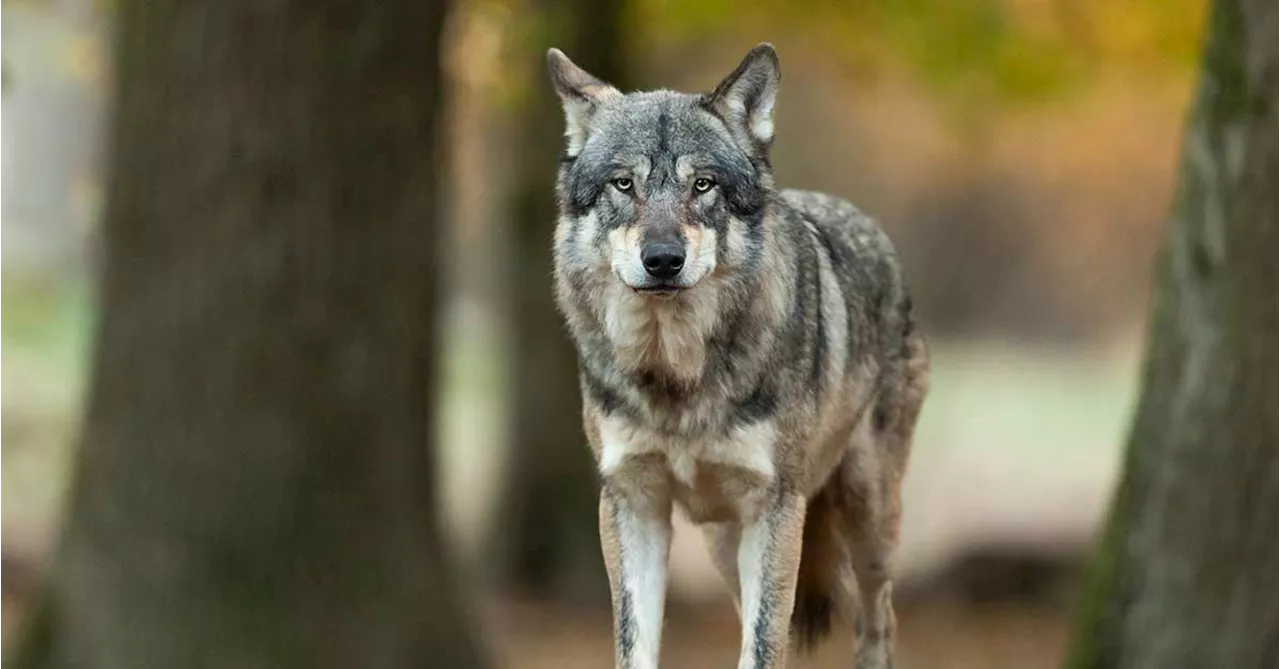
<point x="746" y="354"/>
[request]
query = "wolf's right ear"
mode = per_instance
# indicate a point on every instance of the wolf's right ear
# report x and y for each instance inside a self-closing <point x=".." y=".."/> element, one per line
<point x="580" y="93"/>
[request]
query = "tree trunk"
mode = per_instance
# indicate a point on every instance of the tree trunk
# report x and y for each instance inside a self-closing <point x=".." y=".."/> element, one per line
<point x="1186" y="575"/>
<point x="255" y="486"/>
<point x="548" y="538"/>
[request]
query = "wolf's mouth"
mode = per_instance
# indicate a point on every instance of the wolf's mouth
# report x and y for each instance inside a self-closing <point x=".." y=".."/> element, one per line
<point x="662" y="289"/>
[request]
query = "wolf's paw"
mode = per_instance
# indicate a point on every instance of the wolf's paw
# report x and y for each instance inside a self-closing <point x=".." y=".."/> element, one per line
<point x="874" y="653"/>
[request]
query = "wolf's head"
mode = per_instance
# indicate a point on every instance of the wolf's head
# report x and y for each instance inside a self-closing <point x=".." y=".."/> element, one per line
<point x="661" y="190"/>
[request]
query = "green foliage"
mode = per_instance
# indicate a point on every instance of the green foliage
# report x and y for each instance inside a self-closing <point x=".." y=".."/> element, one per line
<point x="949" y="43"/>
<point x="975" y="56"/>
<point x="999" y="51"/>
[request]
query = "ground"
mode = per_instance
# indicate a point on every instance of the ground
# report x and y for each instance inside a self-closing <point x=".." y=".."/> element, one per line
<point x="935" y="635"/>
<point x="932" y="635"/>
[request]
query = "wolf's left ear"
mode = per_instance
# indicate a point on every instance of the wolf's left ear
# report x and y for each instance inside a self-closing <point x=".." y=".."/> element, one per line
<point x="580" y="93"/>
<point x="745" y="98"/>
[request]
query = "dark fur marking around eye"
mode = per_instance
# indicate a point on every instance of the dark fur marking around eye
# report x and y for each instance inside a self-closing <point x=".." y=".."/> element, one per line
<point x="742" y="191"/>
<point x="586" y="177"/>
<point x="583" y="190"/>
<point x="736" y="173"/>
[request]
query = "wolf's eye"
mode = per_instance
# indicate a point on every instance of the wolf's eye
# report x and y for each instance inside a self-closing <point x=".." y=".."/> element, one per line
<point x="703" y="184"/>
<point x="623" y="184"/>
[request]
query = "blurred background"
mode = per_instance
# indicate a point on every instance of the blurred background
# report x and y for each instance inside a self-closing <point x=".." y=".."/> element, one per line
<point x="1020" y="152"/>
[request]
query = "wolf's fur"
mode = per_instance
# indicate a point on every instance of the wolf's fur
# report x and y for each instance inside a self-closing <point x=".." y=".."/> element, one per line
<point x="770" y="391"/>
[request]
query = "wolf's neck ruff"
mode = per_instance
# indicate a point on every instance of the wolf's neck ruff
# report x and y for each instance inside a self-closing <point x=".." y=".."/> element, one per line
<point x="662" y="335"/>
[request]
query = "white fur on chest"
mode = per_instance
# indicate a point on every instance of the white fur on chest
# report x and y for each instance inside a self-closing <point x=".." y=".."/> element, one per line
<point x="750" y="448"/>
<point x="696" y="465"/>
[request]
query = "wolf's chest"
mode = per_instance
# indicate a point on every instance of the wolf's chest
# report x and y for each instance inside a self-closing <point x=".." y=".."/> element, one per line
<point x="714" y="478"/>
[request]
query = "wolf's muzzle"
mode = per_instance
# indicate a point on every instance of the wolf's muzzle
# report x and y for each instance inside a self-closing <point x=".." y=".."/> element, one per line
<point x="662" y="260"/>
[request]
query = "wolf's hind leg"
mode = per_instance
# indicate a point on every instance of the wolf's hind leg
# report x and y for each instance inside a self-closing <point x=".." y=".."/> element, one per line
<point x="872" y="535"/>
<point x="878" y="626"/>
<point x="873" y="476"/>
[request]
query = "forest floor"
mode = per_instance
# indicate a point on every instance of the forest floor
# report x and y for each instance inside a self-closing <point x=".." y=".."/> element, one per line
<point x="932" y="635"/>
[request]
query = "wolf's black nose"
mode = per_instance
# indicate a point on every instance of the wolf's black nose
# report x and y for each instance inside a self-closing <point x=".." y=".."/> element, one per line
<point x="662" y="260"/>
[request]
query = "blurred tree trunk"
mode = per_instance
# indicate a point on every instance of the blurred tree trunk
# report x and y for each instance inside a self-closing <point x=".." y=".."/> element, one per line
<point x="255" y="486"/>
<point x="1186" y="575"/>
<point x="547" y="532"/>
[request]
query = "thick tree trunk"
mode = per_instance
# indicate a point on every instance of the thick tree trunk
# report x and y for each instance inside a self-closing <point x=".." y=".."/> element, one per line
<point x="548" y="534"/>
<point x="1186" y="576"/>
<point x="255" y="483"/>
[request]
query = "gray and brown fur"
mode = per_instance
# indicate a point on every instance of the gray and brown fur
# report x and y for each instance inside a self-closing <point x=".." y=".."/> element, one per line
<point x="769" y="389"/>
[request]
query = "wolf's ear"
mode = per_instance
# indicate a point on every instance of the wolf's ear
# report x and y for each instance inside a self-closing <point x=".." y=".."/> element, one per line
<point x="745" y="98"/>
<point x="579" y="93"/>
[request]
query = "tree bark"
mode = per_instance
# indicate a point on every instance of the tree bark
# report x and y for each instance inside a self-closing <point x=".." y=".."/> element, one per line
<point x="1186" y="574"/>
<point x="548" y="539"/>
<point x="255" y="485"/>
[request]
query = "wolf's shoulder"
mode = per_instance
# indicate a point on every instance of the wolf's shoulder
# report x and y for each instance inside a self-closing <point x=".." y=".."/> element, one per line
<point x="819" y="205"/>
<point x="842" y="222"/>
<point x="859" y="255"/>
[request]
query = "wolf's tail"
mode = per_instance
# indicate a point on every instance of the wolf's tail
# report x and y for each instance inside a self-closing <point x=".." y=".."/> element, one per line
<point x="818" y="588"/>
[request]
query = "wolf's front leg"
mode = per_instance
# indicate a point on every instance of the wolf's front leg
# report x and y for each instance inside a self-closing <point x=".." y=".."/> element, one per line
<point x="635" y="534"/>
<point x="768" y="560"/>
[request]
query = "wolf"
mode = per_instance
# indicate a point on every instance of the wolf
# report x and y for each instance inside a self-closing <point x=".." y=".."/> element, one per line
<point x="746" y="354"/>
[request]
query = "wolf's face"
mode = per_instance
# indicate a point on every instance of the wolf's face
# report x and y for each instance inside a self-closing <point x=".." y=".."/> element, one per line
<point x="660" y="190"/>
